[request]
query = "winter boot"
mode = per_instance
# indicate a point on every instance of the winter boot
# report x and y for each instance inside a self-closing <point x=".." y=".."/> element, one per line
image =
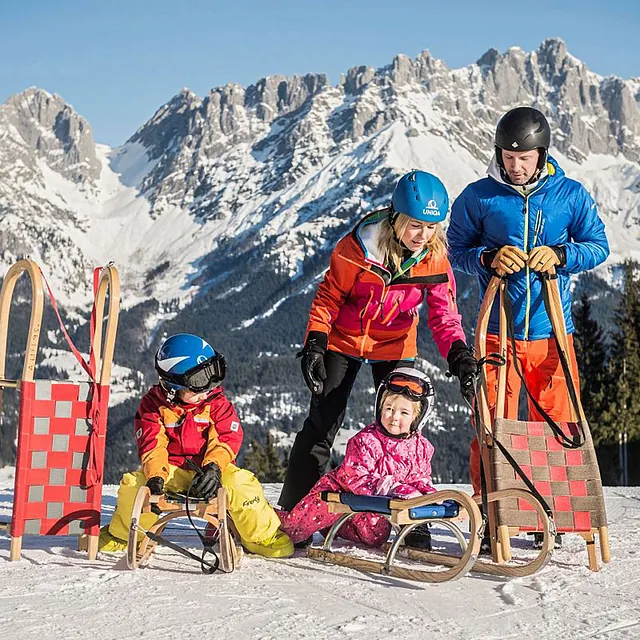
<point x="485" y="545"/>
<point x="303" y="544"/>
<point x="419" y="538"/>
<point x="538" y="539"/>
<point x="279" y="545"/>
<point x="108" y="543"/>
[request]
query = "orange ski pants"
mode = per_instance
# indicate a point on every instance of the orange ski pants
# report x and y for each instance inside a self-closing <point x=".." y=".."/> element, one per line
<point x="540" y="364"/>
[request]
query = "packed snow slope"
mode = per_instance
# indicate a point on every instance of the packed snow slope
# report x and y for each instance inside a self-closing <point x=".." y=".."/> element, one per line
<point x="55" y="592"/>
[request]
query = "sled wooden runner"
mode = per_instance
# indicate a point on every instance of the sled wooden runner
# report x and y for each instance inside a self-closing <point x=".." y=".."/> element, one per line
<point x="443" y="507"/>
<point x="566" y="475"/>
<point x="140" y="546"/>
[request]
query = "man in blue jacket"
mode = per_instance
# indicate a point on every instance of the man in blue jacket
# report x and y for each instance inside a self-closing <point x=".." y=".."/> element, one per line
<point x="526" y="218"/>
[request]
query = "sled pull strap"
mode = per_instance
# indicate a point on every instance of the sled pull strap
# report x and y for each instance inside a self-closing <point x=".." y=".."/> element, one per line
<point x="571" y="443"/>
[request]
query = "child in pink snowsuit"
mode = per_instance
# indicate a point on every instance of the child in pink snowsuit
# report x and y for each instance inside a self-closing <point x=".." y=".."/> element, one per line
<point x="390" y="457"/>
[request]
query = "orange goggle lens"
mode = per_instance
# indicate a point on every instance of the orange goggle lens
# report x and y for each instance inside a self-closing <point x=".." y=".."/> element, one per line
<point x="415" y="388"/>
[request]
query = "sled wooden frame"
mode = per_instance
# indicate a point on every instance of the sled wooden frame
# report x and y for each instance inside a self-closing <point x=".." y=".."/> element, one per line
<point x="103" y="351"/>
<point x="499" y="533"/>
<point x="214" y="512"/>
<point x="402" y="522"/>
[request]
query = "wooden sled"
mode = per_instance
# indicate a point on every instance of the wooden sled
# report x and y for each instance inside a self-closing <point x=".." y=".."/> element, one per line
<point x="435" y="508"/>
<point x="576" y="497"/>
<point x="443" y="507"/>
<point x="141" y="546"/>
<point x="61" y="431"/>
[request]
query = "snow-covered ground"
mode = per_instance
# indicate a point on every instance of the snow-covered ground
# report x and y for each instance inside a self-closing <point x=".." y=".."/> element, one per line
<point x="55" y="592"/>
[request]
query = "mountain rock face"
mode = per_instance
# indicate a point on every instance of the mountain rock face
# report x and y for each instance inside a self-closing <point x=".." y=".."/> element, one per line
<point x="221" y="211"/>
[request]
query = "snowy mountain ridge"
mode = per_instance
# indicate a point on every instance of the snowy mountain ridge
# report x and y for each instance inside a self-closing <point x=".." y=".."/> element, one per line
<point x="220" y="212"/>
<point x="291" y="161"/>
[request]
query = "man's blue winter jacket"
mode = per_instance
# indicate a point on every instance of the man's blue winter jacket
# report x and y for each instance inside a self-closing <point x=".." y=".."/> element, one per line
<point x="490" y="213"/>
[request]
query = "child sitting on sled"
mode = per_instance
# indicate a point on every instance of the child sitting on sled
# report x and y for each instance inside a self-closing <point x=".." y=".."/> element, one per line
<point x="185" y="416"/>
<point x="390" y="457"/>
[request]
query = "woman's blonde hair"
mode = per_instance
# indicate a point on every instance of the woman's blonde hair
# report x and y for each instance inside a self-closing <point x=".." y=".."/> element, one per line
<point x="387" y="394"/>
<point x="393" y="251"/>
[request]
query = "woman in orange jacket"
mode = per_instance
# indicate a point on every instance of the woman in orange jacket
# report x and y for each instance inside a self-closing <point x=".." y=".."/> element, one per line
<point x="366" y="310"/>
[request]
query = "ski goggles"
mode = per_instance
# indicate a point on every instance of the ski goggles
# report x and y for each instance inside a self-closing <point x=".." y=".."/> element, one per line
<point x="202" y="377"/>
<point x="414" y="388"/>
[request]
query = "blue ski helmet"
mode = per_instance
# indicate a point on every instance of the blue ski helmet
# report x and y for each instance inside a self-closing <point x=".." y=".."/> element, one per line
<point x="185" y="361"/>
<point x="420" y="195"/>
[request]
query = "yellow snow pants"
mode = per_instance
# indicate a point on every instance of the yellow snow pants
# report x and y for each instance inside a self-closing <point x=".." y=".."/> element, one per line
<point x="252" y="515"/>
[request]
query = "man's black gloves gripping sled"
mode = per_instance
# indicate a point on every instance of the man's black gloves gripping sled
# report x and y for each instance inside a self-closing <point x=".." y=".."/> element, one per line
<point x="464" y="366"/>
<point x="156" y="485"/>
<point x="312" y="363"/>
<point x="207" y="482"/>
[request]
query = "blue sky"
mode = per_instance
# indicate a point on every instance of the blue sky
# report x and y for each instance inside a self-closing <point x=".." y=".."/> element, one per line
<point x="116" y="62"/>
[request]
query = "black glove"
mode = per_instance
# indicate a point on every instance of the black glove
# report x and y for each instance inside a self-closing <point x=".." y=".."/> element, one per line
<point x="464" y="366"/>
<point x="313" y="361"/>
<point x="561" y="252"/>
<point x="207" y="482"/>
<point x="156" y="485"/>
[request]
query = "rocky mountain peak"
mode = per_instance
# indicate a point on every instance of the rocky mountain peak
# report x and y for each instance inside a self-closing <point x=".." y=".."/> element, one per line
<point x="42" y="125"/>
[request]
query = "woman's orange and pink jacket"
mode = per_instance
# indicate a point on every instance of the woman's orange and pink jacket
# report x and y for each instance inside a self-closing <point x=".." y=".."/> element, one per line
<point x="369" y="313"/>
<point x="167" y="432"/>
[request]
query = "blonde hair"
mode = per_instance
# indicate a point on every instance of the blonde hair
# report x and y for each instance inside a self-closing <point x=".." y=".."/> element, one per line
<point x="393" y="251"/>
<point x="416" y="405"/>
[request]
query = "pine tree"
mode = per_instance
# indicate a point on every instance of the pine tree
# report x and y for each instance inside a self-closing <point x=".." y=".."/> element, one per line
<point x="264" y="461"/>
<point x="256" y="460"/>
<point x="275" y="468"/>
<point x="591" y="353"/>
<point x="622" y="396"/>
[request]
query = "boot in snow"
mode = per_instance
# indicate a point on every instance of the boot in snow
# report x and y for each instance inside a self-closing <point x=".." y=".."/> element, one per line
<point x="108" y="543"/>
<point x="485" y="545"/>
<point x="538" y="539"/>
<point x="419" y="538"/>
<point x="279" y="545"/>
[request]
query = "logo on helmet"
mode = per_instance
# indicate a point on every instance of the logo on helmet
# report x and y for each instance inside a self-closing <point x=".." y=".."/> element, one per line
<point x="514" y="144"/>
<point x="431" y="208"/>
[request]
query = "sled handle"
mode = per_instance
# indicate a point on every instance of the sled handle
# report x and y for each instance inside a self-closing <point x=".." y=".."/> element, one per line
<point x="109" y="281"/>
<point x="559" y="327"/>
<point x="35" y="321"/>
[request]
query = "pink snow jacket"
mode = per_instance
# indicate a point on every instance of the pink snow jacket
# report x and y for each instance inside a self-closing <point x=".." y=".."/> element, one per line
<point x="376" y="464"/>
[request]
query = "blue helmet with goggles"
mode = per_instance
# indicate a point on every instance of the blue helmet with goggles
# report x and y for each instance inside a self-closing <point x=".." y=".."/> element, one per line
<point x="414" y="385"/>
<point x="420" y="195"/>
<point x="185" y="361"/>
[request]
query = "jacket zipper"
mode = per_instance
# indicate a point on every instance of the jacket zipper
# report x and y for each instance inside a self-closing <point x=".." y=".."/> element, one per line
<point x="526" y="250"/>
<point x="526" y="244"/>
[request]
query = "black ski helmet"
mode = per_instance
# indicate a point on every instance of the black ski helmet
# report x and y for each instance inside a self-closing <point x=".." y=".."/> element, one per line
<point x="414" y="385"/>
<point x="523" y="129"/>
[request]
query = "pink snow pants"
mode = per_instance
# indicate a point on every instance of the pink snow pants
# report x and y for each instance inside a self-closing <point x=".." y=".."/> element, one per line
<point x="311" y="514"/>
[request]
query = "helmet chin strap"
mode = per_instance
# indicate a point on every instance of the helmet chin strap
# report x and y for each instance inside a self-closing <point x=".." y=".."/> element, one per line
<point x="542" y="161"/>
<point x="398" y="436"/>
<point x="392" y="218"/>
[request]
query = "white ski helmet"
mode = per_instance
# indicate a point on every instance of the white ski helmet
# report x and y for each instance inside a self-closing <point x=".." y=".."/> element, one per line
<point x="414" y="385"/>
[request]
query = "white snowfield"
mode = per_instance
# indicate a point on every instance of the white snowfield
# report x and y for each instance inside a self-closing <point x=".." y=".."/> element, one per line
<point x="55" y="592"/>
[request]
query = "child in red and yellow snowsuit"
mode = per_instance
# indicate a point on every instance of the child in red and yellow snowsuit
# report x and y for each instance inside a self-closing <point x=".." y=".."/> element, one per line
<point x="185" y="416"/>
